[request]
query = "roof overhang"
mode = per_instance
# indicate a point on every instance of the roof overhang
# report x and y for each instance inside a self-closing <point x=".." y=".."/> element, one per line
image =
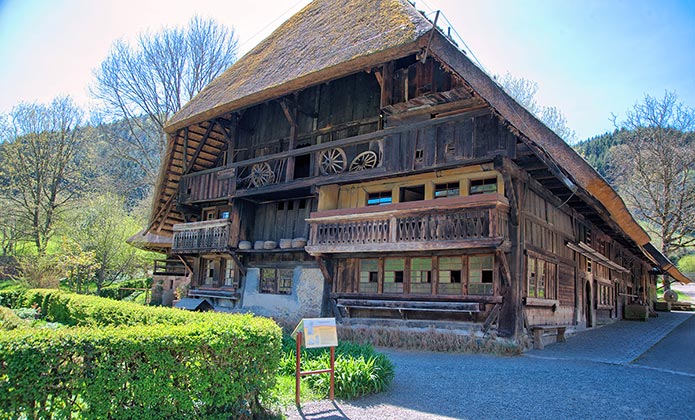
<point x="596" y="256"/>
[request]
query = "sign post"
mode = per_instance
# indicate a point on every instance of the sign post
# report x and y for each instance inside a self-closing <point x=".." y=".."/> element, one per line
<point x="315" y="333"/>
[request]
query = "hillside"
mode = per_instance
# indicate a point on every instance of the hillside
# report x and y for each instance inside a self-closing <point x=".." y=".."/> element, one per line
<point x="596" y="151"/>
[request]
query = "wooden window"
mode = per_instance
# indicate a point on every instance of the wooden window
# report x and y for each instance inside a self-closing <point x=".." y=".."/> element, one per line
<point x="449" y="189"/>
<point x="369" y="276"/>
<point x="210" y="214"/>
<point x="208" y="272"/>
<point x="419" y="155"/>
<point x="449" y="149"/>
<point x="230" y="277"/>
<point x="450" y="272"/>
<point x="483" y="186"/>
<point x="606" y="295"/>
<point x="541" y="278"/>
<point x="413" y="193"/>
<point x="421" y="275"/>
<point x="379" y="198"/>
<point x="394" y="268"/>
<point x="276" y="281"/>
<point x="480" y="274"/>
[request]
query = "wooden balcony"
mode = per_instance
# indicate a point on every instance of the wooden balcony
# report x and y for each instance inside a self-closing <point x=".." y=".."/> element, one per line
<point x="430" y="144"/>
<point x="170" y="267"/>
<point x="207" y="236"/>
<point x="478" y="221"/>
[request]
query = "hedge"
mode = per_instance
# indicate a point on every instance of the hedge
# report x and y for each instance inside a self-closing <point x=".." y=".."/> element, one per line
<point x="88" y="310"/>
<point x="11" y="296"/>
<point x="114" y="291"/>
<point x="154" y="363"/>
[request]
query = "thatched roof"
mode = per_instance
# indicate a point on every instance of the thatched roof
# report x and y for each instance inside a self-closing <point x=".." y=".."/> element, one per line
<point x="330" y="39"/>
<point x="326" y="34"/>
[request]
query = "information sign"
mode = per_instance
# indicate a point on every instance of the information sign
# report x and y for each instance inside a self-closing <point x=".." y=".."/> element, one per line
<point x="317" y="332"/>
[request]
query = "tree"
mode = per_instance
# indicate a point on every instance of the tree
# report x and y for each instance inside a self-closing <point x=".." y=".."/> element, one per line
<point x="654" y="168"/>
<point x="41" y="164"/>
<point x="13" y="229"/>
<point x="146" y="83"/>
<point x="99" y="230"/>
<point x="524" y="92"/>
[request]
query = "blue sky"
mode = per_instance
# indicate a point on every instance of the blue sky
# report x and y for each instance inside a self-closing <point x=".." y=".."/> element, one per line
<point x="591" y="58"/>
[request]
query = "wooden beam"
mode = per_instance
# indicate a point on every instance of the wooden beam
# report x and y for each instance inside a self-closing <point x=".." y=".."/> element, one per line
<point x="162" y="209"/>
<point x="504" y="267"/>
<point x="379" y="77"/>
<point x="238" y="263"/>
<point x="200" y="147"/>
<point x="324" y="269"/>
<point x="291" y="115"/>
<point x="185" y="149"/>
<point x="387" y="84"/>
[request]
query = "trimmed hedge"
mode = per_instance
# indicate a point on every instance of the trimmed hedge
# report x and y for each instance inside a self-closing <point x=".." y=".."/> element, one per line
<point x="113" y="291"/>
<point x="11" y="296"/>
<point x="124" y="360"/>
<point x="93" y="311"/>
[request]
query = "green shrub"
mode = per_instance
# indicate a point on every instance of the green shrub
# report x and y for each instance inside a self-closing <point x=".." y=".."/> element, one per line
<point x="11" y="294"/>
<point x="85" y="310"/>
<point x="151" y="363"/>
<point x="9" y="320"/>
<point x="359" y="369"/>
<point x="113" y="291"/>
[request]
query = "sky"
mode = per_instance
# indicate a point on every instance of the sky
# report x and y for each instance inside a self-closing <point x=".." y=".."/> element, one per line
<point x="590" y="58"/>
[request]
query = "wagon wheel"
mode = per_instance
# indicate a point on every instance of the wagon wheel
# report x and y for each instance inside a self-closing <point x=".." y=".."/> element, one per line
<point x="365" y="160"/>
<point x="261" y="174"/>
<point x="332" y="161"/>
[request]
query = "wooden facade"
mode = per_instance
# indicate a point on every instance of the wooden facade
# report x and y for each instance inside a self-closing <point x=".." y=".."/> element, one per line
<point x="407" y="176"/>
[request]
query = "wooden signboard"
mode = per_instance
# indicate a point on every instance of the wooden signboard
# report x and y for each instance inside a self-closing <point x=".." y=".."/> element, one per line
<point x="317" y="332"/>
<point x="313" y="333"/>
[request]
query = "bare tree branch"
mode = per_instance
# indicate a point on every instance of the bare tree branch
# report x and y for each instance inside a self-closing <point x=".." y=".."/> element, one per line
<point x="146" y="83"/>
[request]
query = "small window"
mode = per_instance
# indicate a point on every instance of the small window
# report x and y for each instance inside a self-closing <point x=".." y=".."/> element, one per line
<point x="450" y="269"/>
<point x="483" y="186"/>
<point x="210" y="214"/>
<point x="421" y="275"/>
<point x="480" y="274"/>
<point x="278" y="282"/>
<point x="414" y="193"/>
<point x="369" y="275"/>
<point x="302" y="166"/>
<point x="230" y="274"/>
<point x="281" y="205"/>
<point x="419" y="155"/>
<point x="393" y="275"/>
<point x="449" y="189"/>
<point x="209" y="274"/>
<point x="224" y="215"/>
<point x="302" y="204"/>
<point x="379" y="198"/>
<point x="290" y="205"/>
<point x="449" y="149"/>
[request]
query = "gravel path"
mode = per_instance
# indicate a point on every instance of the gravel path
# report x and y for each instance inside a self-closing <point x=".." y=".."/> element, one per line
<point x="583" y="384"/>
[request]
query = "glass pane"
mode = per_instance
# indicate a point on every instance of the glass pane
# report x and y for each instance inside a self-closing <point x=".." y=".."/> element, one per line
<point x="369" y="265"/>
<point x="421" y="263"/>
<point x="393" y="264"/>
<point x="450" y="263"/>
<point x="480" y="289"/>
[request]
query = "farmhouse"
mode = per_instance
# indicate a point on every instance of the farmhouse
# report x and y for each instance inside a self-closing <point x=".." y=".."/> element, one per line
<point x="357" y="164"/>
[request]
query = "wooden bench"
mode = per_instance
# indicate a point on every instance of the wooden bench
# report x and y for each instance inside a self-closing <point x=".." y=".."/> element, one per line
<point x="539" y="330"/>
<point x="405" y="306"/>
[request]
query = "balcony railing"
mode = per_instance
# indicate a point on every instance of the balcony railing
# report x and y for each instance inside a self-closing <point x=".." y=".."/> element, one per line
<point x="207" y="236"/>
<point x="169" y="267"/>
<point x="460" y="222"/>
